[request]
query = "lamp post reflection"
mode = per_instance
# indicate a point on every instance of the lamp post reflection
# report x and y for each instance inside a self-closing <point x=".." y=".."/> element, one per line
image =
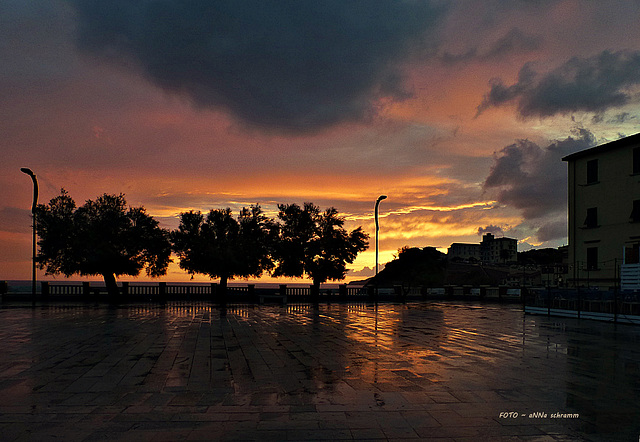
<point x="33" y="214"/>
<point x="380" y="198"/>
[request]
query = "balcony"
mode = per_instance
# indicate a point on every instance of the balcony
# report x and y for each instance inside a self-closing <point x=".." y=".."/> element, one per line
<point x="630" y="277"/>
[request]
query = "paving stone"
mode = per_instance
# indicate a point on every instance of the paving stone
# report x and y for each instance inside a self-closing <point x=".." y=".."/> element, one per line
<point x="448" y="371"/>
<point x="368" y="434"/>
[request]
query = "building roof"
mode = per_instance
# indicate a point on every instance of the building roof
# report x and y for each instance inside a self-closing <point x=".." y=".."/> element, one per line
<point x="622" y="142"/>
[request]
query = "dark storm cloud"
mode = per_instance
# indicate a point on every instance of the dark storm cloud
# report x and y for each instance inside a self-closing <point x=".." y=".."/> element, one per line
<point x="592" y="84"/>
<point x="453" y="59"/>
<point x="292" y="65"/>
<point x="533" y="179"/>
<point x="515" y="41"/>
<point x="622" y="118"/>
<point x="494" y="230"/>
<point x="552" y="230"/>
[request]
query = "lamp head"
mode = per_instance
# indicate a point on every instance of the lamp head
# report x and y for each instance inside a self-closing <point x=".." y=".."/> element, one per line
<point x="382" y="197"/>
<point x="27" y="171"/>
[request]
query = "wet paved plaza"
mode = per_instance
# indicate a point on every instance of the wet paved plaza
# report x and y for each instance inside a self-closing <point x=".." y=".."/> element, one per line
<point x="437" y="371"/>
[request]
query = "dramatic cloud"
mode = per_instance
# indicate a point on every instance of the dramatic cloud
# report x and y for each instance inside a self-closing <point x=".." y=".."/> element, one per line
<point x="290" y="65"/>
<point x="552" y="230"/>
<point x="622" y="118"/>
<point x="533" y="180"/>
<point x="592" y="84"/>
<point x="494" y="230"/>
<point x="189" y="104"/>
<point x="365" y="272"/>
<point x="515" y="41"/>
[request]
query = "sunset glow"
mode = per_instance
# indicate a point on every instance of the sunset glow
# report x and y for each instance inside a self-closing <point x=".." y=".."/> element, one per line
<point x="425" y="103"/>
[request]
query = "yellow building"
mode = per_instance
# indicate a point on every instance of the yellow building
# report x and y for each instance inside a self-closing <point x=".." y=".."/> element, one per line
<point x="604" y="214"/>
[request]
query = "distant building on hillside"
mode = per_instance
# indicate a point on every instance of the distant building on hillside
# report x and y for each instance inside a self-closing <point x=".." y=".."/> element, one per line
<point x="464" y="252"/>
<point x="491" y="250"/>
<point x="604" y="214"/>
<point x="498" y="250"/>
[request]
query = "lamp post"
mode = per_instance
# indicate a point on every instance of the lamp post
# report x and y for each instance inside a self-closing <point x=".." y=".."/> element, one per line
<point x="380" y="198"/>
<point x="33" y="213"/>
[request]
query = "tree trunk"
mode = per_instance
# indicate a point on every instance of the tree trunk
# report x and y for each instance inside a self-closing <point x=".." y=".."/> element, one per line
<point x="112" y="285"/>
<point x="223" y="288"/>
<point x="315" y="290"/>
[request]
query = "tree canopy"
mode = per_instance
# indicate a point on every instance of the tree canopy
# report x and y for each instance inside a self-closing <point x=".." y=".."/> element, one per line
<point x="102" y="237"/>
<point x="315" y="243"/>
<point x="221" y="246"/>
<point x="105" y="237"/>
<point x="415" y="266"/>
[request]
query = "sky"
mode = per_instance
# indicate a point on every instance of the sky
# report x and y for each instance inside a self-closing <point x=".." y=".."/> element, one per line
<point x="460" y="112"/>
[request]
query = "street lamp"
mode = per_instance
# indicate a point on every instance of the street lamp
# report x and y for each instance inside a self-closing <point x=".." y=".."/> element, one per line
<point x="33" y="213"/>
<point x="380" y="198"/>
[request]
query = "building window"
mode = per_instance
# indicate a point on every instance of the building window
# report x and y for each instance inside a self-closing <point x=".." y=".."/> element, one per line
<point x="592" y="218"/>
<point x="592" y="171"/>
<point x="635" y="212"/>
<point x="636" y="160"/>
<point x="592" y="258"/>
<point x="632" y="254"/>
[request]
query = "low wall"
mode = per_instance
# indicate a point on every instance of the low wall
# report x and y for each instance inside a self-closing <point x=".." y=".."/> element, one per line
<point x="162" y="292"/>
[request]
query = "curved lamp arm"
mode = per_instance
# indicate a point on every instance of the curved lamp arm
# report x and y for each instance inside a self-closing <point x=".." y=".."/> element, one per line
<point x="35" y="187"/>
<point x="380" y="198"/>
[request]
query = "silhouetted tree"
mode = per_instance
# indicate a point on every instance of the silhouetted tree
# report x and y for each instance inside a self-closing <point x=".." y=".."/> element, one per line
<point x="315" y="243"/>
<point x="258" y="236"/>
<point x="414" y="267"/>
<point x="103" y="237"/>
<point x="223" y="247"/>
<point x="542" y="257"/>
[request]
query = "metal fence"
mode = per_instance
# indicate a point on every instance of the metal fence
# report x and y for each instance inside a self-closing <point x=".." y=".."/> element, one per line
<point x="606" y="305"/>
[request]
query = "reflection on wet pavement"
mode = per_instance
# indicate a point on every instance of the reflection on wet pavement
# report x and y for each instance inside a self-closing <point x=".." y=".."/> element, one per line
<point x="332" y="372"/>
